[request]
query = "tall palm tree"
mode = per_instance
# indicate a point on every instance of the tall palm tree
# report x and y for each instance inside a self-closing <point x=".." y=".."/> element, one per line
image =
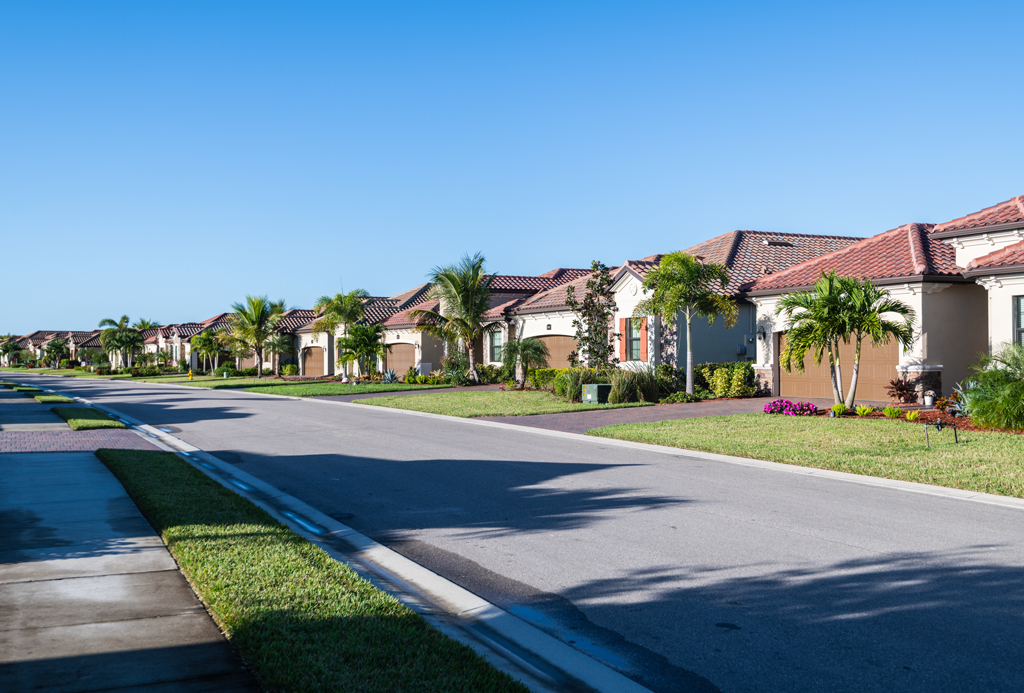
<point x="143" y="324"/>
<point x="526" y="354"/>
<point x="340" y="310"/>
<point x="55" y="350"/>
<point x="116" y="339"/>
<point x="865" y="308"/>
<point x="363" y="343"/>
<point x="817" y="322"/>
<point x="682" y="284"/>
<point x="463" y="292"/>
<point x="252" y="323"/>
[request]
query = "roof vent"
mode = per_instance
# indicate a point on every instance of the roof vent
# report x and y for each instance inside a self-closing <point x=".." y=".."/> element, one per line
<point x="782" y="244"/>
<point x="765" y="270"/>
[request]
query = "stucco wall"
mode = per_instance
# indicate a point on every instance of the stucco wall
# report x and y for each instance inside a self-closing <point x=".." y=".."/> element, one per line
<point x="1001" y="290"/>
<point x="716" y="342"/>
<point x="955" y="330"/>
<point x="972" y="246"/>
<point x="429" y="350"/>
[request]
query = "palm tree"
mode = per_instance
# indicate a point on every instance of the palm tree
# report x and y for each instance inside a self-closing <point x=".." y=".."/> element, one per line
<point x="117" y="338"/>
<point x="463" y="291"/>
<point x="817" y="322"/>
<point x="143" y="324"/>
<point x="10" y="350"/>
<point x="277" y="345"/>
<point x="206" y="345"/>
<point x="252" y="324"/>
<point x="865" y="307"/>
<point x="363" y="343"/>
<point x="682" y="284"/>
<point x="340" y="310"/>
<point x="163" y="357"/>
<point x="56" y="349"/>
<point x="526" y="353"/>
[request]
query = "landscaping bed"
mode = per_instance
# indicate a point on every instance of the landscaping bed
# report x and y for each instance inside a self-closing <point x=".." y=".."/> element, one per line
<point x="54" y="399"/>
<point x="989" y="462"/>
<point x="300" y="620"/>
<point x="86" y="418"/>
<point x="489" y="403"/>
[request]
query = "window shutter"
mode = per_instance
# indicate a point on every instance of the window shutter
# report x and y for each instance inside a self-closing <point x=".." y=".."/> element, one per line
<point x="622" y="339"/>
<point x="643" y="340"/>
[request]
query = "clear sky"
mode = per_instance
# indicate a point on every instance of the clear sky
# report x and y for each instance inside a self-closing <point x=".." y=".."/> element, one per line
<point x="166" y="159"/>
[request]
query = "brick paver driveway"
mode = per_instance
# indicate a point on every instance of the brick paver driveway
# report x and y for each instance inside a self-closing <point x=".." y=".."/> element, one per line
<point x="71" y="441"/>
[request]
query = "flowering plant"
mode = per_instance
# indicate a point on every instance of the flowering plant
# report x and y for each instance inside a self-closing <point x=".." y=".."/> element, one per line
<point x="784" y="406"/>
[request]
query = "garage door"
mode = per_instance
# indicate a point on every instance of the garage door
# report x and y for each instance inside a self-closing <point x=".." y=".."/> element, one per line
<point x="559" y="348"/>
<point x="877" y="368"/>
<point x="401" y="357"/>
<point x="313" y="361"/>
<point x="247" y="362"/>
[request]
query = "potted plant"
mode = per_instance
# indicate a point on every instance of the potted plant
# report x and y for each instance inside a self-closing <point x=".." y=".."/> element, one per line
<point x="929" y="398"/>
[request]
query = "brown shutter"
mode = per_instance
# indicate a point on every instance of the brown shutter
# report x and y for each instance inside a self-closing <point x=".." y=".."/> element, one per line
<point x="643" y="340"/>
<point x="622" y="339"/>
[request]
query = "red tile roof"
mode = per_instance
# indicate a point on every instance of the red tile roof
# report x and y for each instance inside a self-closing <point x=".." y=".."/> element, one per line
<point x="563" y="275"/>
<point x="295" y="318"/>
<point x="1003" y="213"/>
<point x="554" y="299"/>
<point x="1010" y="257"/>
<point x="907" y="251"/>
<point x="403" y="319"/>
<point x="410" y="297"/>
<point x="500" y="311"/>
<point x="219" y="317"/>
<point x="748" y="255"/>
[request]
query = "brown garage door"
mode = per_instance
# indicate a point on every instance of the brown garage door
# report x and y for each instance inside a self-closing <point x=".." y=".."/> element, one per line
<point x="313" y="361"/>
<point x="877" y="368"/>
<point x="559" y="348"/>
<point x="401" y="358"/>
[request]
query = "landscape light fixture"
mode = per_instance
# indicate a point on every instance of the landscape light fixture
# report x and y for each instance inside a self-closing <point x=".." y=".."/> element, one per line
<point x="549" y="327"/>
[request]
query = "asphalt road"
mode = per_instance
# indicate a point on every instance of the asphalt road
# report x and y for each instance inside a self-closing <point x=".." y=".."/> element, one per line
<point x="686" y="574"/>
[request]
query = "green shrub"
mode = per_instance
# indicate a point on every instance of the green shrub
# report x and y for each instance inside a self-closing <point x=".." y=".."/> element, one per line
<point x="250" y="372"/>
<point x="681" y="397"/>
<point x="670" y="378"/>
<point x="290" y="369"/>
<point x="864" y="410"/>
<point x="634" y="385"/>
<point x="892" y="412"/>
<point x="742" y="381"/>
<point x="721" y="381"/>
<point x="488" y="374"/>
<point x="544" y="378"/>
<point x="569" y="383"/>
<point x="228" y="368"/>
<point x="995" y="397"/>
<point x="839" y="409"/>
<point x="421" y="379"/>
<point x="913" y="415"/>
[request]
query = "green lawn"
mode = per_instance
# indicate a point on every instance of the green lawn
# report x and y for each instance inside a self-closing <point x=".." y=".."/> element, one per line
<point x="987" y="462"/>
<point x="315" y="389"/>
<point x="25" y="388"/>
<point x="300" y="620"/>
<point x="85" y="418"/>
<point x="54" y="399"/>
<point x="489" y="403"/>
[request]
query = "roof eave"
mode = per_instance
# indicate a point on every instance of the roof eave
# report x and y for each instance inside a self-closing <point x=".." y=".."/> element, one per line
<point x="973" y="230"/>
<point x="879" y="281"/>
<point x="986" y="272"/>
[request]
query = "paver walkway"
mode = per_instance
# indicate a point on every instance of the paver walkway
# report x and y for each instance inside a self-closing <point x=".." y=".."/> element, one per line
<point x="90" y="599"/>
<point x="71" y="441"/>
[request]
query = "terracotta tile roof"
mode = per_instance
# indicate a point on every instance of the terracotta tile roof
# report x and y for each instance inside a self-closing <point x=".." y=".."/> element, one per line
<point x="907" y="251"/>
<point x="218" y="318"/>
<point x="1010" y="257"/>
<point x="411" y="297"/>
<point x="378" y="311"/>
<point x="186" y="330"/>
<point x="748" y="255"/>
<point x="93" y="342"/>
<point x="500" y="311"/>
<point x="1003" y="213"/>
<point x="554" y="299"/>
<point x="293" y="319"/>
<point x="564" y="275"/>
<point x="402" y="318"/>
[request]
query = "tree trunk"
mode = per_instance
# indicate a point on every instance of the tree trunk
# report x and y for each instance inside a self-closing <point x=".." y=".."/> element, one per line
<point x="837" y="398"/>
<point x="472" y="366"/>
<point x="259" y="362"/>
<point x="839" y="372"/>
<point x="689" y="355"/>
<point x="856" y="374"/>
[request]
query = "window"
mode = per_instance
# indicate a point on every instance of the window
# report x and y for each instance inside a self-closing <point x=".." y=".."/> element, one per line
<point x="1018" y="320"/>
<point x="496" y="346"/>
<point x="632" y="342"/>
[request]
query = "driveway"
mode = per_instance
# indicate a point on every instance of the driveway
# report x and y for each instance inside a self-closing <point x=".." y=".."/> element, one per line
<point x="684" y="572"/>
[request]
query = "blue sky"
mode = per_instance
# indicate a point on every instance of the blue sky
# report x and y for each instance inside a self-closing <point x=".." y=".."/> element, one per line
<point x="166" y="159"/>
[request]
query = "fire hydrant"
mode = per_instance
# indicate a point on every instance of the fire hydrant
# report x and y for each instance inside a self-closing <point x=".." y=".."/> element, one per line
<point x="190" y="374"/>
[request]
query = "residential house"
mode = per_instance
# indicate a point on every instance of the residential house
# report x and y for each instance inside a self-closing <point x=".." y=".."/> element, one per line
<point x="964" y="279"/>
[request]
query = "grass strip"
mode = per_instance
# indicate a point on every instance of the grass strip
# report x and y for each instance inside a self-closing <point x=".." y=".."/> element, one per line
<point x="300" y="620"/>
<point x="490" y="403"/>
<point x="331" y="388"/>
<point x="986" y="462"/>
<point x="25" y="388"/>
<point x="86" y="418"/>
<point x="54" y="399"/>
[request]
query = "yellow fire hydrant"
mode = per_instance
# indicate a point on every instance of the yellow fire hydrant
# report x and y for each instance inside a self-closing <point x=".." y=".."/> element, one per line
<point x="190" y="374"/>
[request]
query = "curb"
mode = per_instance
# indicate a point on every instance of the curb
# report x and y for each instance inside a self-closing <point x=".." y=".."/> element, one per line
<point x="541" y="661"/>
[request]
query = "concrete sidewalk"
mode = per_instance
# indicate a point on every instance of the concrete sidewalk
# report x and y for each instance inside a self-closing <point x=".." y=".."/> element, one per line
<point x="90" y="599"/>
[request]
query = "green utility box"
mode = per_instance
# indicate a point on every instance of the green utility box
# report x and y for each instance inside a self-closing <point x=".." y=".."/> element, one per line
<point x="596" y="394"/>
